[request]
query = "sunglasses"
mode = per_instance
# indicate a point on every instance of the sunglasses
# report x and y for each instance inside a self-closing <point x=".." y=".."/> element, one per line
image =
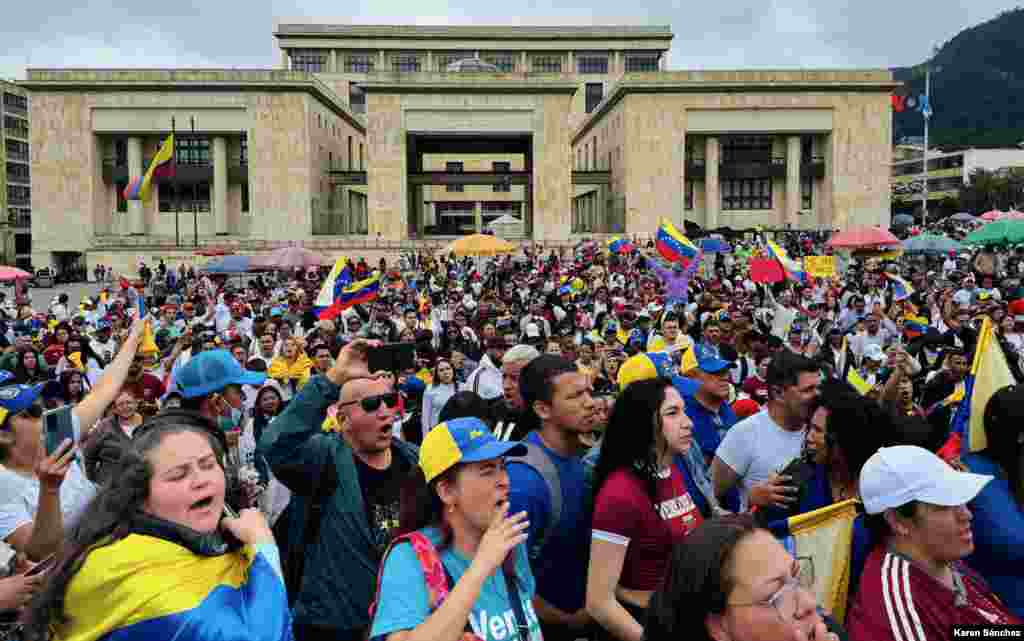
<point x="371" y="404"/>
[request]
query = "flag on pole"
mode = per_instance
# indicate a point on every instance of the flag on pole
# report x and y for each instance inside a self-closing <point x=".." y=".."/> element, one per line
<point x="618" y="245"/>
<point x="794" y="270"/>
<point x="337" y="280"/>
<point x="673" y="245"/>
<point x="924" y="106"/>
<point x="160" y="166"/>
<point x="989" y="374"/>
<point x="901" y="289"/>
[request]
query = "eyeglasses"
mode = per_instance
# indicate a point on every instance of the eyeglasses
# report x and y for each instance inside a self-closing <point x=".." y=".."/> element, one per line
<point x="785" y="601"/>
<point x="371" y="404"/>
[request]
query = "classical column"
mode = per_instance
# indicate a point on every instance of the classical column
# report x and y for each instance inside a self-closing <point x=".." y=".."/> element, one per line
<point x="136" y="212"/>
<point x="792" y="211"/>
<point x="430" y="62"/>
<point x="220" y="185"/>
<point x="284" y="59"/>
<point x="333" y="64"/>
<point x="712" y="197"/>
<point x="382" y="66"/>
<point x="523" y="64"/>
<point x="478" y="217"/>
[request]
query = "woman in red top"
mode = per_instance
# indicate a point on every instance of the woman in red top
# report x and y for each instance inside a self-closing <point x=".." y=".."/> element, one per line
<point x="644" y="503"/>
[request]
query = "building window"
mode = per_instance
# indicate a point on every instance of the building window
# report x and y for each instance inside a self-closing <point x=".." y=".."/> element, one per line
<point x="505" y="62"/>
<point x="16" y="126"/>
<point x="503" y="168"/>
<point x="806" y="148"/>
<point x="454" y="218"/>
<point x="360" y="157"/>
<point x="243" y="149"/>
<point x="357" y="99"/>
<point x="689" y="195"/>
<point x="546" y="64"/>
<point x="16" y="150"/>
<point x="405" y="63"/>
<point x="594" y="94"/>
<point x="453" y="168"/>
<point x="122" y="203"/>
<point x="192" y="151"/>
<point x="591" y="63"/>
<point x="807" y="193"/>
<point x="746" y="193"/>
<point x="746" y="149"/>
<point x="17" y="173"/>
<point x="445" y="58"/>
<point x="640" y="62"/>
<point x="245" y="197"/>
<point x="312" y="60"/>
<point x="14" y="102"/>
<point x="359" y="63"/>
<point x="23" y="243"/>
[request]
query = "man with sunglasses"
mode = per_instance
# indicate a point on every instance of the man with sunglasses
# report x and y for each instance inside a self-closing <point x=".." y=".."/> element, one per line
<point x="353" y="482"/>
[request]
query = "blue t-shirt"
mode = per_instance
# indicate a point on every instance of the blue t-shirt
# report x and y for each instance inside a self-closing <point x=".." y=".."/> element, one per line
<point x="404" y="601"/>
<point x="561" y="569"/>
<point x="709" y="428"/>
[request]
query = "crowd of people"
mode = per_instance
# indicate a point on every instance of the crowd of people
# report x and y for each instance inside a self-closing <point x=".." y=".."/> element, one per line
<point x="586" y="445"/>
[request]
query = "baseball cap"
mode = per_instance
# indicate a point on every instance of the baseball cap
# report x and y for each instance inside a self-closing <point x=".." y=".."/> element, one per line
<point x="874" y="352"/>
<point x="532" y="330"/>
<point x="895" y="476"/>
<point x="462" y="440"/>
<point x="17" y="398"/>
<point x="641" y="367"/>
<point x="712" y="364"/>
<point x="212" y="371"/>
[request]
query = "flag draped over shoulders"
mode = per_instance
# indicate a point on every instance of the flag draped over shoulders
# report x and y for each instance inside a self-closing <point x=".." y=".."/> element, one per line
<point x="146" y="588"/>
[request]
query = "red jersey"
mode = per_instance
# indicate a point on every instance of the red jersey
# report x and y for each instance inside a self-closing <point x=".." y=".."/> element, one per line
<point x="898" y="601"/>
<point x="623" y="514"/>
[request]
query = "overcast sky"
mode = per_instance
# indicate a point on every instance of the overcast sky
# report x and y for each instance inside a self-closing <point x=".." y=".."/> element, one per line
<point x="722" y="34"/>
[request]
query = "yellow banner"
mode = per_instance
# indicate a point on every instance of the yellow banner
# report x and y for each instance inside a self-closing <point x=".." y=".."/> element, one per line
<point x="820" y="266"/>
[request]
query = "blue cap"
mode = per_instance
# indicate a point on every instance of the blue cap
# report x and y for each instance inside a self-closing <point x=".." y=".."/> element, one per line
<point x="211" y="372"/>
<point x="17" y="398"/>
<point x="5" y="376"/>
<point x="711" y="364"/>
<point x="462" y="440"/>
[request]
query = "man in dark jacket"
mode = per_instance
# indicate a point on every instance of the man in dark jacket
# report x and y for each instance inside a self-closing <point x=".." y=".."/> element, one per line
<point x="357" y="478"/>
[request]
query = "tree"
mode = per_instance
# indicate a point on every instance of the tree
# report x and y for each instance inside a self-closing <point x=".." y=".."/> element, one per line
<point x="987" y="190"/>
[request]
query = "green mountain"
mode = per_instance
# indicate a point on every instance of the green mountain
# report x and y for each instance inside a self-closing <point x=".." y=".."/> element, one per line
<point x="977" y="87"/>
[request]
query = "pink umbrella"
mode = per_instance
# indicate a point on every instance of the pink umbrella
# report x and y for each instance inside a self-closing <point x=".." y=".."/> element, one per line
<point x="993" y="214"/>
<point x="1013" y="214"/>
<point x="12" y="273"/>
<point x="288" y="258"/>
<point x="855" y="237"/>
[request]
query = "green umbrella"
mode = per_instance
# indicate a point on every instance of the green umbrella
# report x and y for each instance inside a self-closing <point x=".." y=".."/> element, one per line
<point x="999" y="232"/>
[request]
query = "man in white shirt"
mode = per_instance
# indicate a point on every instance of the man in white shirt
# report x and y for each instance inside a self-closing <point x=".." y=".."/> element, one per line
<point x="485" y="381"/>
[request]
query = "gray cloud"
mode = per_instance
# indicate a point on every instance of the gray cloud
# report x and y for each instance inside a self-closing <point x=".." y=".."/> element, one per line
<point x="735" y="33"/>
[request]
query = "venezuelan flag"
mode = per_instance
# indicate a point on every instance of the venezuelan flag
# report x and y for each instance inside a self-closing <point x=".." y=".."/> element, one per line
<point x="989" y="374"/>
<point x="618" y="245"/>
<point x="337" y="280"/>
<point x="146" y="588"/>
<point x="673" y="245"/>
<point x="794" y="270"/>
<point x="826" y="536"/>
<point x="160" y="166"/>
<point x="358" y="293"/>
<point x="901" y="289"/>
<point x="915" y="324"/>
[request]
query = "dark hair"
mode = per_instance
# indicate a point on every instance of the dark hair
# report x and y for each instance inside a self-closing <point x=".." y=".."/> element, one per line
<point x="1003" y="427"/>
<point x="878" y="527"/>
<point x="65" y="384"/>
<point x="436" y="380"/>
<point x="626" y="444"/>
<point x="419" y="504"/>
<point x="786" y="368"/>
<point x="463" y="404"/>
<point x="536" y="379"/>
<point x="698" y="581"/>
<point x="107" y="517"/>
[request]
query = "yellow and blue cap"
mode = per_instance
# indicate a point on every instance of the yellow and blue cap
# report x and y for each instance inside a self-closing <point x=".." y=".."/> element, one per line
<point x="640" y="367"/>
<point x="17" y="398"/>
<point x="461" y="440"/>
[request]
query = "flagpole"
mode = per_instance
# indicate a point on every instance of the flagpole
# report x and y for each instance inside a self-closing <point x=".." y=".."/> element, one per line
<point x="925" y="113"/>
<point x="177" y="194"/>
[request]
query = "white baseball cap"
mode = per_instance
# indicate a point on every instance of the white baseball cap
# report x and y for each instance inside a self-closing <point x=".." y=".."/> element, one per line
<point x="897" y="475"/>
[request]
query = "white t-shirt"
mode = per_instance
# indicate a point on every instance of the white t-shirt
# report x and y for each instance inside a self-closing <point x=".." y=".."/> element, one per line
<point x="757" y="447"/>
<point x="19" y="496"/>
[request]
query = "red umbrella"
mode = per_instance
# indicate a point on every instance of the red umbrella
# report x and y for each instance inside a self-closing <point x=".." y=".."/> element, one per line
<point x="288" y="258"/>
<point x="992" y="214"/>
<point x="12" y="273"/>
<point x="863" y="237"/>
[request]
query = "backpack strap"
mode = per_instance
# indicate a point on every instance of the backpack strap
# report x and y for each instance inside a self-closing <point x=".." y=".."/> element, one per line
<point x="437" y="579"/>
<point x="538" y="459"/>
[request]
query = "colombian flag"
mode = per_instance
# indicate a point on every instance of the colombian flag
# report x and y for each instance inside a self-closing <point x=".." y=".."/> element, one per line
<point x="673" y="245"/>
<point x="989" y="374"/>
<point x="901" y="289"/>
<point x="142" y="587"/>
<point x="337" y="280"/>
<point x="160" y="166"/>
<point x="794" y="270"/>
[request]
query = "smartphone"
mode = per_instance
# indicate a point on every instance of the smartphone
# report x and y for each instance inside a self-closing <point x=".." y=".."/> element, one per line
<point x="57" y="427"/>
<point x="392" y="357"/>
<point x="43" y="566"/>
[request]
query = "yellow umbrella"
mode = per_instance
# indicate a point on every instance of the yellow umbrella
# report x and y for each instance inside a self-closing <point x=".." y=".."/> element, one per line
<point x="479" y="245"/>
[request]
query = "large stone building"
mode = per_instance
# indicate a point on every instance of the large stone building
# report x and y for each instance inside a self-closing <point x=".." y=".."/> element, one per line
<point x="15" y="183"/>
<point x="378" y="137"/>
